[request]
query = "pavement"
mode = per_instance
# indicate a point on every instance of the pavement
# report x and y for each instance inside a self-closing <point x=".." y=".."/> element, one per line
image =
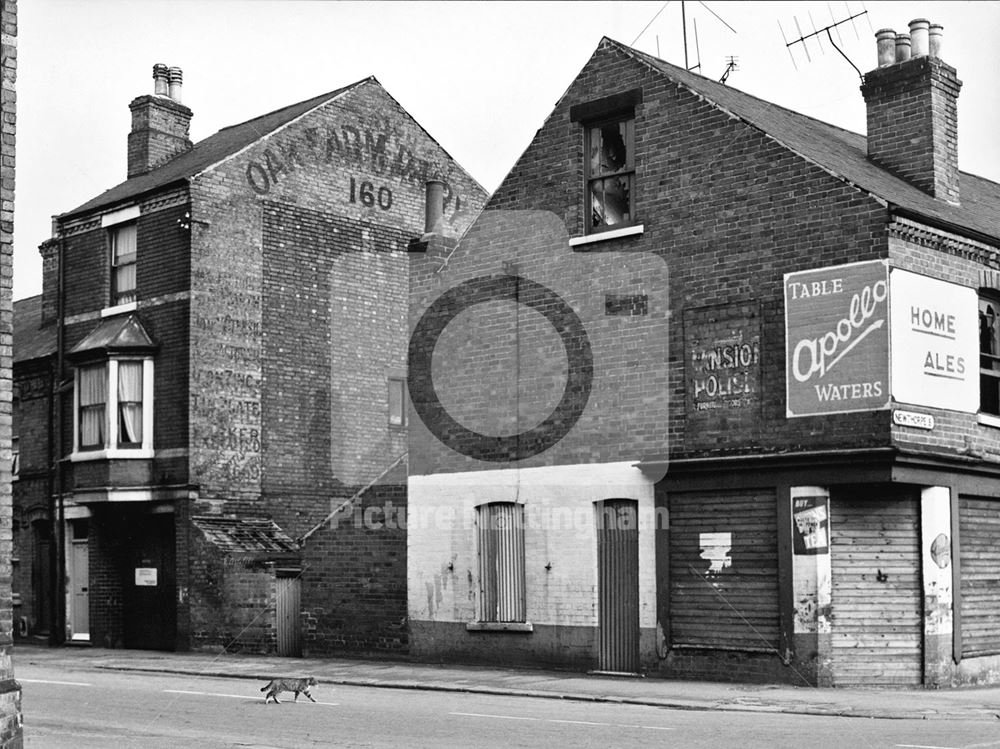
<point x="961" y="703"/>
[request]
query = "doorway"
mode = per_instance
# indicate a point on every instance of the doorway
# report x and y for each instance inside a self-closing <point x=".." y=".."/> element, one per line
<point x="618" y="585"/>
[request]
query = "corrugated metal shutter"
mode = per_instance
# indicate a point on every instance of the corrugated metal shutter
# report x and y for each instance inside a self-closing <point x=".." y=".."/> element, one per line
<point x="618" y="584"/>
<point x="877" y="598"/>
<point x="979" y="537"/>
<point x="724" y="598"/>
<point x="501" y="562"/>
<point x="288" y="603"/>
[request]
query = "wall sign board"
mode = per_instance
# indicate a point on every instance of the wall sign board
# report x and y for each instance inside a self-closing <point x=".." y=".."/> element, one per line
<point x="837" y="339"/>
<point x="935" y="342"/>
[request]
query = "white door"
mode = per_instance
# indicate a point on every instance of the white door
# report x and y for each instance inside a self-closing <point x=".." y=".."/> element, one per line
<point x="79" y="582"/>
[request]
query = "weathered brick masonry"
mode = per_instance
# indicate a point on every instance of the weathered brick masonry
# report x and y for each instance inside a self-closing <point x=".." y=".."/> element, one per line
<point x="271" y="296"/>
<point x="685" y="413"/>
<point x="10" y="690"/>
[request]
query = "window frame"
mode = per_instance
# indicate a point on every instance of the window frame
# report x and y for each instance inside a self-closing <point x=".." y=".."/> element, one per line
<point x="15" y="457"/>
<point x="992" y="372"/>
<point x="629" y="171"/>
<point x="509" y="588"/>
<point x="397" y="420"/>
<point x="112" y="446"/>
<point x="118" y="298"/>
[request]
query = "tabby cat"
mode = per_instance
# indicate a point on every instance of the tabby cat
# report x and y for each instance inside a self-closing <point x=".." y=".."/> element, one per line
<point x="277" y="686"/>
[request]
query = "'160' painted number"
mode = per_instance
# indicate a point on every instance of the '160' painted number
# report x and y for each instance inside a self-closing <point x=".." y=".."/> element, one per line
<point x="367" y="195"/>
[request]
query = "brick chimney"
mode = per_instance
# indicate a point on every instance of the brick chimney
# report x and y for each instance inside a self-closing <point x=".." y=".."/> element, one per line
<point x="912" y="100"/>
<point x="159" y="123"/>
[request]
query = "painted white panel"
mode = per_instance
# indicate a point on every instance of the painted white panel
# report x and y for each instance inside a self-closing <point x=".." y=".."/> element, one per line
<point x="934" y="330"/>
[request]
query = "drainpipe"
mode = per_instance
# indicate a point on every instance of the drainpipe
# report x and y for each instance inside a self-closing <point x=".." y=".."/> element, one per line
<point x="58" y="633"/>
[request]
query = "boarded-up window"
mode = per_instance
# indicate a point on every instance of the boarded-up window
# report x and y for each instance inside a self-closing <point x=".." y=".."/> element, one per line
<point x="979" y="539"/>
<point x="724" y="570"/>
<point x="501" y="562"/>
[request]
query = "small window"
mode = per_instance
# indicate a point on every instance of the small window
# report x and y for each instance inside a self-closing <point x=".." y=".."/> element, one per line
<point x="610" y="173"/>
<point x="123" y="247"/>
<point x="397" y="401"/>
<point x="93" y="396"/>
<point x="130" y="404"/>
<point x="989" y="356"/>
<point x="501" y="562"/>
<point x="15" y="457"/>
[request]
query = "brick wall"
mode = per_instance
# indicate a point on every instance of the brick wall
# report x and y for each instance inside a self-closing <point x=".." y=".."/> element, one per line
<point x="10" y="690"/>
<point x="750" y="210"/>
<point x="299" y="318"/>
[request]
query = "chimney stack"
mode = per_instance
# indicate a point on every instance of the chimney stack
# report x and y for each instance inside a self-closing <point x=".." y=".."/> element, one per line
<point x="160" y="123"/>
<point x="912" y="99"/>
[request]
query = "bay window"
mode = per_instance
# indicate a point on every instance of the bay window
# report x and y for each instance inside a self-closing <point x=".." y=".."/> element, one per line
<point x="114" y="408"/>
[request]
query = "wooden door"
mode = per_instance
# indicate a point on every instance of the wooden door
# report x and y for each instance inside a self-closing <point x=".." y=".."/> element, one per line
<point x="79" y="584"/>
<point x="287" y="609"/>
<point x="877" y="596"/>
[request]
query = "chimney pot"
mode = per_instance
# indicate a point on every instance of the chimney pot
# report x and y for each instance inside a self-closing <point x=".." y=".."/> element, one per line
<point x="935" y="35"/>
<point x="918" y="36"/>
<point x="176" y="78"/>
<point x="434" y="207"/>
<point x="902" y="47"/>
<point x="886" y="40"/>
<point x="160" y="79"/>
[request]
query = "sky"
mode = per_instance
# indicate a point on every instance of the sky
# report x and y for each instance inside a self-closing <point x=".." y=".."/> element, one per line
<point x="481" y="77"/>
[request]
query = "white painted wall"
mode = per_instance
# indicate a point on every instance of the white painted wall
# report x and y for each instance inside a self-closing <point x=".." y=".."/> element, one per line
<point x="559" y="530"/>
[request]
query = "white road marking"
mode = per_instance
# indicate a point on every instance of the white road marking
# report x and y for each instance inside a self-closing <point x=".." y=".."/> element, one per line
<point x="503" y="717"/>
<point x="557" y="720"/>
<point x="210" y="694"/>
<point x="240" y="696"/>
<point x="63" y="683"/>
<point x="925" y="746"/>
<point x="982" y="746"/>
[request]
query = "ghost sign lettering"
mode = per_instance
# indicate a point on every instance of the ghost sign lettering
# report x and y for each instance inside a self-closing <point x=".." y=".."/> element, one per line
<point x="837" y="339"/>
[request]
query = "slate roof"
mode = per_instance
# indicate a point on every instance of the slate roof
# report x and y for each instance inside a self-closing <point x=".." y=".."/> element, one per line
<point x="205" y="153"/>
<point x="116" y="334"/>
<point x="841" y="152"/>
<point x="31" y="340"/>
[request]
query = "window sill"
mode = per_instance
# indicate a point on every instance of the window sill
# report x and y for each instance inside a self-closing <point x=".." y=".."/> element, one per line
<point x="112" y="454"/>
<point x="119" y="309"/>
<point x="989" y="420"/>
<point x="499" y="627"/>
<point x="626" y="231"/>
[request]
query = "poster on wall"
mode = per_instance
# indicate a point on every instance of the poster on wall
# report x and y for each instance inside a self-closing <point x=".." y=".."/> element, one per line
<point x="935" y="342"/>
<point x="722" y="371"/>
<point x="837" y="339"/>
<point x="810" y="525"/>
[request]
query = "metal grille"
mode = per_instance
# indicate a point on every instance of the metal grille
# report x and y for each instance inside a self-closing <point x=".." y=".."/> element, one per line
<point x="618" y="584"/>
<point x="501" y="562"/>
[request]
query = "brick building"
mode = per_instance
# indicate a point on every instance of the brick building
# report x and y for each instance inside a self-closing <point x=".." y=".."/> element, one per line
<point x="11" y="734"/>
<point x="673" y="435"/>
<point x="215" y="364"/>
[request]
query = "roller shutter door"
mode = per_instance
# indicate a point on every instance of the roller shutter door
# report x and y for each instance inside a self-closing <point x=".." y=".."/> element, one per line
<point x="877" y="611"/>
<point x="979" y="537"/>
<point x="724" y="597"/>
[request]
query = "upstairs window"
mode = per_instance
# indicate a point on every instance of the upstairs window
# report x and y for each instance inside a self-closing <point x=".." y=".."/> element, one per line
<point x="610" y="167"/>
<point x="113" y="405"/>
<point x="989" y="355"/>
<point x="123" y="245"/>
<point x="15" y="457"/>
<point x="92" y="401"/>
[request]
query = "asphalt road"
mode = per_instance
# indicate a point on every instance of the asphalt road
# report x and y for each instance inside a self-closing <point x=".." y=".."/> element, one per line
<point x="79" y="709"/>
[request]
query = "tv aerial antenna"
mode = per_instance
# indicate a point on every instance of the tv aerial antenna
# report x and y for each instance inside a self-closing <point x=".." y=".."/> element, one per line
<point x="817" y="34"/>
<point x="684" y="30"/>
